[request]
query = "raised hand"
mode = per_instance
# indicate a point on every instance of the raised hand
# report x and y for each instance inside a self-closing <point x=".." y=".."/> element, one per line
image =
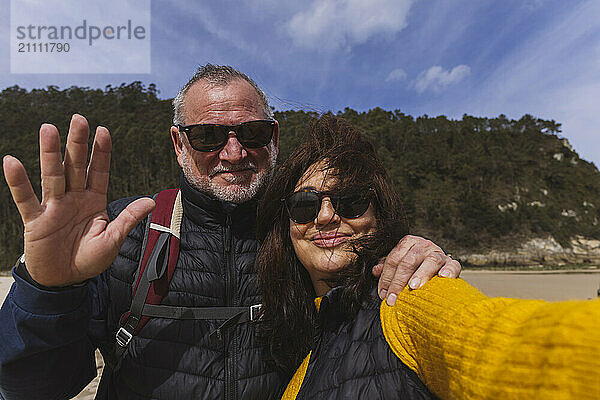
<point x="68" y="237"/>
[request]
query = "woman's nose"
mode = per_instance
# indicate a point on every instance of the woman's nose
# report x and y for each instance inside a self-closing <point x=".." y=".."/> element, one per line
<point x="327" y="214"/>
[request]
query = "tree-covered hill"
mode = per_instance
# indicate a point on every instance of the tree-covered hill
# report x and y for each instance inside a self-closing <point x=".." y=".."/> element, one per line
<point x="470" y="184"/>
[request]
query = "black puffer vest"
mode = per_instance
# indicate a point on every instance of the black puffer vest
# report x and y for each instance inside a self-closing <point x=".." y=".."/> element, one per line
<point x="352" y="360"/>
<point x="174" y="359"/>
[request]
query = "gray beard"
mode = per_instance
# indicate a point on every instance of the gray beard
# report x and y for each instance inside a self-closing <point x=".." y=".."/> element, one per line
<point x="233" y="194"/>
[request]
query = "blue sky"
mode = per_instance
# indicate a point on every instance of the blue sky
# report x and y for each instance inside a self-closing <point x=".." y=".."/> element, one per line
<point x="433" y="57"/>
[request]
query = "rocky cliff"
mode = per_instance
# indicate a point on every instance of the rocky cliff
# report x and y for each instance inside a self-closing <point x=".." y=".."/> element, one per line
<point x="538" y="251"/>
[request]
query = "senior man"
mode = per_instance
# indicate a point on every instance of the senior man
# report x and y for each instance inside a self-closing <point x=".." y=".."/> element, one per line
<point x="74" y="282"/>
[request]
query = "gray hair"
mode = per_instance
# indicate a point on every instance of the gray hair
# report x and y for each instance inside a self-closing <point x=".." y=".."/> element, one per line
<point x="219" y="75"/>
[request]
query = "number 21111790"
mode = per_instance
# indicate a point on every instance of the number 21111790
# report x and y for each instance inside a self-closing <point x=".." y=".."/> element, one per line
<point x="49" y="47"/>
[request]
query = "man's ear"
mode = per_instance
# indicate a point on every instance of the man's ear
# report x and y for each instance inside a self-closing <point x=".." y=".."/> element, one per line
<point x="177" y="144"/>
<point x="276" y="136"/>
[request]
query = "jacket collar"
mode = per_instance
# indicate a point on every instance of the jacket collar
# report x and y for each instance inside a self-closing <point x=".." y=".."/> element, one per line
<point x="203" y="208"/>
<point x="330" y="300"/>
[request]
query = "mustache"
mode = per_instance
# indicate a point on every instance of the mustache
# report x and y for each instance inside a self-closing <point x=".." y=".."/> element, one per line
<point x="248" y="165"/>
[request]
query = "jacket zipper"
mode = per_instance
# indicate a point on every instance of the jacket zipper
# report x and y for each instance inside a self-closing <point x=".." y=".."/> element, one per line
<point x="317" y="339"/>
<point x="230" y="343"/>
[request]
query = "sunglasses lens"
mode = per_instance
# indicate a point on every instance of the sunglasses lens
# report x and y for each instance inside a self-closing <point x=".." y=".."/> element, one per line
<point x="352" y="206"/>
<point x="207" y="137"/>
<point x="255" y="134"/>
<point x="303" y="206"/>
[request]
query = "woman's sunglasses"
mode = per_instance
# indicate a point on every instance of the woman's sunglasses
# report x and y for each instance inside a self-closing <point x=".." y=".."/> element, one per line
<point x="303" y="206"/>
<point x="211" y="137"/>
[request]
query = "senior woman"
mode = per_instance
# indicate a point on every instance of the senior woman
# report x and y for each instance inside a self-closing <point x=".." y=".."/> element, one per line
<point x="327" y="217"/>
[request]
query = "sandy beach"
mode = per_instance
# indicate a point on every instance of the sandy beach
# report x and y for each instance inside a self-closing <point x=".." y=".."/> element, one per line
<point x="547" y="285"/>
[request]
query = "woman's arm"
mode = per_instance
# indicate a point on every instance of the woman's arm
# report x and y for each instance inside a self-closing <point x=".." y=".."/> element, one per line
<point x="465" y="345"/>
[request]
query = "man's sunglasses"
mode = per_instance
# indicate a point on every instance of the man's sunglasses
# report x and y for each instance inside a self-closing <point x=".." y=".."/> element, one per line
<point x="211" y="137"/>
<point x="303" y="206"/>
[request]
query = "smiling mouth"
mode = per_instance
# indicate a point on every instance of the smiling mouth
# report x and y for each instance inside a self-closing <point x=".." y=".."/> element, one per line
<point x="234" y="173"/>
<point x="233" y="170"/>
<point x="329" y="240"/>
<point x="237" y="171"/>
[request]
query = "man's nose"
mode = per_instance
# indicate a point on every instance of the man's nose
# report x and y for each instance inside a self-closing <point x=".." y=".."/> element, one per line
<point x="233" y="151"/>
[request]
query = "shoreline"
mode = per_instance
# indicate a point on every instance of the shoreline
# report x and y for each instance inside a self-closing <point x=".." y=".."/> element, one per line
<point x="532" y="271"/>
<point x="577" y="269"/>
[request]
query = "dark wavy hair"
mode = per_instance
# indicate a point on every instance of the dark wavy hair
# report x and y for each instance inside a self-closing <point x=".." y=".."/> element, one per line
<point x="288" y="312"/>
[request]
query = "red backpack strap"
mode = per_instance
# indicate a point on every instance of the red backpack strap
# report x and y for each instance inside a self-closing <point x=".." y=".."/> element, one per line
<point x="160" y="251"/>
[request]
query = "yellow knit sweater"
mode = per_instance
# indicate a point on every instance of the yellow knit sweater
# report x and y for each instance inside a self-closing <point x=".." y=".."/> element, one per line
<point x="465" y="345"/>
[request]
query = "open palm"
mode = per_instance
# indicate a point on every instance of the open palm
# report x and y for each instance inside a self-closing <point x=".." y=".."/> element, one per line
<point x="68" y="237"/>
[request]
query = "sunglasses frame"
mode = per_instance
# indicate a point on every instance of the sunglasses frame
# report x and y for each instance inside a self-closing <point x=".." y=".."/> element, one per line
<point x="370" y="195"/>
<point x="230" y="128"/>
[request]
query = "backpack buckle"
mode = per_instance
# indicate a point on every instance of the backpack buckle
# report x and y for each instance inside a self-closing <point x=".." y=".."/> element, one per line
<point x="123" y="337"/>
<point x="254" y="310"/>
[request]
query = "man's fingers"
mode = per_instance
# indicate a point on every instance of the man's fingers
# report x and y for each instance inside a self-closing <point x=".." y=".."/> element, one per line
<point x="415" y="265"/>
<point x="51" y="166"/>
<point x="76" y="153"/>
<point x="451" y="269"/>
<point x="428" y="269"/>
<point x="97" y="174"/>
<point x="391" y="263"/>
<point x="20" y="188"/>
<point x="135" y="212"/>
<point x="377" y="270"/>
<point x="404" y="272"/>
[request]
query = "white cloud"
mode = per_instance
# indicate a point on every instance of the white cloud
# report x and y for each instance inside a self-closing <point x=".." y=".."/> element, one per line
<point x="208" y="20"/>
<point x="340" y="24"/>
<point x="435" y="78"/>
<point x="396" y="75"/>
<point x="533" y="4"/>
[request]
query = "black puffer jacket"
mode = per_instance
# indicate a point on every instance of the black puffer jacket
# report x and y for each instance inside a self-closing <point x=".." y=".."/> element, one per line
<point x="173" y="359"/>
<point x="352" y="360"/>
